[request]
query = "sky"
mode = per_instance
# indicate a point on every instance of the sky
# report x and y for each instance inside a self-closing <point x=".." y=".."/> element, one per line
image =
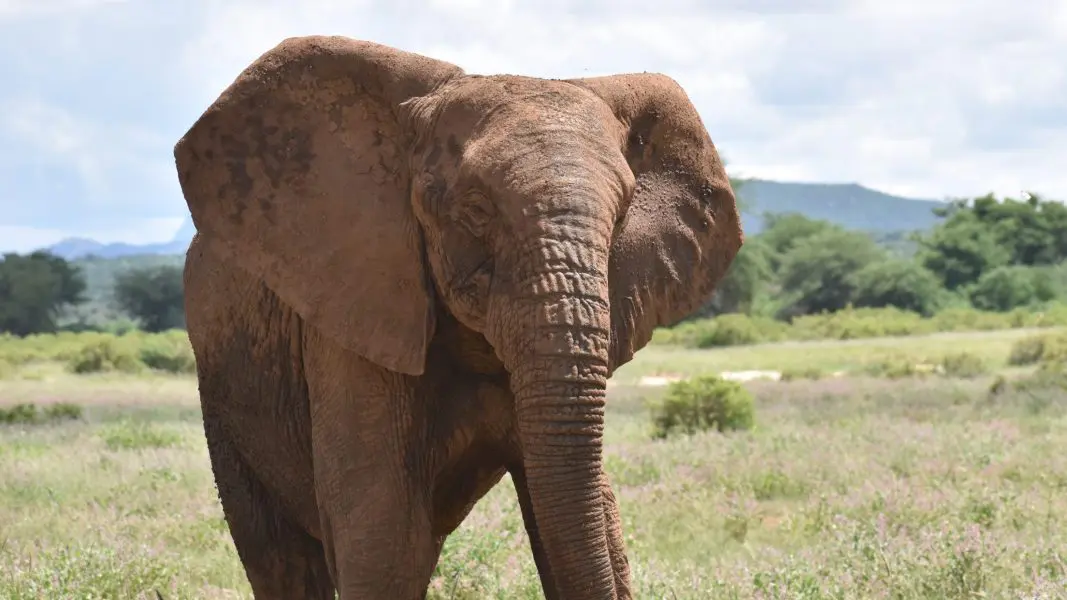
<point x="949" y="98"/>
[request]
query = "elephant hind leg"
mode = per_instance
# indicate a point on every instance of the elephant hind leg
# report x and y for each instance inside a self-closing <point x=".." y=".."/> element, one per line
<point x="281" y="560"/>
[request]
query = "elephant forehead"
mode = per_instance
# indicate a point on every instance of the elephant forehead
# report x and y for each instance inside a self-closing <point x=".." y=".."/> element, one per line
<point x="505" y="102"/>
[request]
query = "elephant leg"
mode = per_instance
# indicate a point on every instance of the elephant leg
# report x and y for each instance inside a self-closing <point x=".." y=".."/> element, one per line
<point x="280" y="559"/>
<point x="371" y="486"/>
<point x="612" y="525"/>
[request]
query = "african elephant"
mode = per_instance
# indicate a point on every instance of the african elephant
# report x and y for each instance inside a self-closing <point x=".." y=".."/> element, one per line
<point x="408" y="280"/>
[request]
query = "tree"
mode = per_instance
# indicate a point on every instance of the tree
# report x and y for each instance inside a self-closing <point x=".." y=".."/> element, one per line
<point x="1008" y="287"/>
<point x="818" y="273"/>
<point x="749" y="274"/>
<point x="961" y="249"/>
<point x="782" y="232"/>
<point x="153" y="296"/>
<point x="984" y="233"/>
<point x="34" y="289"/>
<point x="904" y="284"/>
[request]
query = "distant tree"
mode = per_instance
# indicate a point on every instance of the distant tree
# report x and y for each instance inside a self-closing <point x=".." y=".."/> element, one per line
<point x="960" y="250"/>
<point x="818" y="272"/>
<point x="153" y="296"/>
<point x="782" y="232"/>
<point x="982" y="234"/>
<point x="34" y="288"/>
<point x="747" y="278"/>
<point x="904" y="284"/>
<point x="1012" y="286"/>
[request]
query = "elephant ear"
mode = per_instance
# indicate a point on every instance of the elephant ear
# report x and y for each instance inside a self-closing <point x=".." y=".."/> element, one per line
<point x="682" y="229"/>
<point x="298" y="174"/>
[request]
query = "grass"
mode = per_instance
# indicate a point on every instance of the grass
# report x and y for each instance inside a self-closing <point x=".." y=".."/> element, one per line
<point x="851" y="487"/>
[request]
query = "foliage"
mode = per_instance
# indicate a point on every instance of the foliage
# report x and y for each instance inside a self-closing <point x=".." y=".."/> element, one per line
<point x="853" y="323"/>
<point x="744" y="282"/>
<point x="982" y="234"/>
<point x="1012" y="286"/>
<point x="106" y="354"/>
<point x="1043" y="348"/>
<point x="701" y="404"/>
<point x="152" y="295"/>
<point x="963" y="365"/>
<point x="901" y="283"/>
<point x="30" y="414"/>
<point x="34" y="289"/>
<point x="818" y="274"/>
<point x="169" y="352"/>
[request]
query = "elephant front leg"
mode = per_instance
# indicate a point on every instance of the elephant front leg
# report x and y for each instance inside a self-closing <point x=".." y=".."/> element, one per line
<point x="374" y="509"/>
<point x="612" y="525"/>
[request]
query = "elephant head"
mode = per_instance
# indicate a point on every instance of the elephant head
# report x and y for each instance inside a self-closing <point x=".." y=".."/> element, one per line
<point x="562" y="219"/>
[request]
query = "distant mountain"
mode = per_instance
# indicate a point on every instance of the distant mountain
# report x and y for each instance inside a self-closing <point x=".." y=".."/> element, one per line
<point x="847" y="204"/>
<point x="74" y="248"/>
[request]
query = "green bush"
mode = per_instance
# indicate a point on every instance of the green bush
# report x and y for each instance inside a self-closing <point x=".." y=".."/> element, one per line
<point x="898" y="283"/>
<point x="1039" y="348"/>
<point x="811" y="374"/>
<point x="701" y="404"/>
<point x="739" y="330"/>
<point x="1027" y="351"/>
<point x="138" y="435"/>
<point x="1009" y="287"/>
<point x="853" y="323"/>
<point x="963" y="365"/>
<point x="169" y="352"/>
<point x="106" y="355"/>
<point x="29" y="414"/>
<point x="896" y="367"/>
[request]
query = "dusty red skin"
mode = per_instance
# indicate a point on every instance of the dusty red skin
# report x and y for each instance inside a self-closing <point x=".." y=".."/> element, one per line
<point x="408" y="281"/>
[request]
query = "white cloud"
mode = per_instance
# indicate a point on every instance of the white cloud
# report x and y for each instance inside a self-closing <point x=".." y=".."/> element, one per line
<point x="930" y="99"/>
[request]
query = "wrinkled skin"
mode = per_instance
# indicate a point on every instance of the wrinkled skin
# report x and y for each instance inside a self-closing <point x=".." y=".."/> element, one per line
<point x="408" y="281"/>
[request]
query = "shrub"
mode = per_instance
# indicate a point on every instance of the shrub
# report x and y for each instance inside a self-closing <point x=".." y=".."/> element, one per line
<point x="1027" y="351"/>
<point x="963" y="365"/>
<point x="856" y="323"/>
<point x="1039" y="348"/>
<point x="1008" y="287"/>
<point x="169" y="352"/>
<point x="106" y="354"/>
<point x="899" y="283"/>
<point x="897" y="367"/>
<point x="28" y="414"/>
<point x="739" y="330"/>
<point x="701" y="404"/>
<point x="810" y="373"/>
<point x="138" y="435"/>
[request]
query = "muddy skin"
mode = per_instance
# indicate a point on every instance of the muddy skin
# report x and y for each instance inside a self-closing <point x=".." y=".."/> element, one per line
<point x="408" y="281"/>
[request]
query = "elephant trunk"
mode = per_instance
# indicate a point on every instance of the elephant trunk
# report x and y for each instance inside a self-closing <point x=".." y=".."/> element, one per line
<point x="557" y="354"/>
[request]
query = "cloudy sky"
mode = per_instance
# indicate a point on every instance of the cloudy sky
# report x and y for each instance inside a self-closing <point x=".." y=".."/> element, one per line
<point x="960" y="99"/>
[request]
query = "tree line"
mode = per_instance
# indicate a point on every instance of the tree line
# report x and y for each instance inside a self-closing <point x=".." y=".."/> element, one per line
<point x="39" y="288"/>
<point x="995" y="255"/>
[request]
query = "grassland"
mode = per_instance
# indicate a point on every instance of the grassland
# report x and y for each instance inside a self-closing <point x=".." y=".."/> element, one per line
<point x="848" y="487"/>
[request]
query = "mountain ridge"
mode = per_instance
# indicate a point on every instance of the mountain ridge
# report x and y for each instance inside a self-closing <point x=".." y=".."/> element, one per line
<point x="850" y="205"/>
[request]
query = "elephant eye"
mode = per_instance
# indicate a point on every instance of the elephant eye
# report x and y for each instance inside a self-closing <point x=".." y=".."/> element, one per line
<point x="474" y="211"/>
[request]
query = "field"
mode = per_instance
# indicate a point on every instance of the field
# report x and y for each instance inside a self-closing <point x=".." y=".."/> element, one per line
<point x="848" y="487"/>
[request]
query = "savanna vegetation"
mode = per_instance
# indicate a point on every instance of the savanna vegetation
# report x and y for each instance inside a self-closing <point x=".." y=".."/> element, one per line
<point x="905" y="440"/>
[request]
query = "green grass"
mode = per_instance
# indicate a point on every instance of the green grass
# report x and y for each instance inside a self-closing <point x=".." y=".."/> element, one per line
<point x="847" y="487"/>
<point x="827" y="356"/>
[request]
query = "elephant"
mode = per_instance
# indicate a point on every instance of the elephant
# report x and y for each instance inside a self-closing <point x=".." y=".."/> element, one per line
<point x="408" y="281"/>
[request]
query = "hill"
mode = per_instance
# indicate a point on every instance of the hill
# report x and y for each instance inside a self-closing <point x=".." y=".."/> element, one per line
<point x="848" y="204"/>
